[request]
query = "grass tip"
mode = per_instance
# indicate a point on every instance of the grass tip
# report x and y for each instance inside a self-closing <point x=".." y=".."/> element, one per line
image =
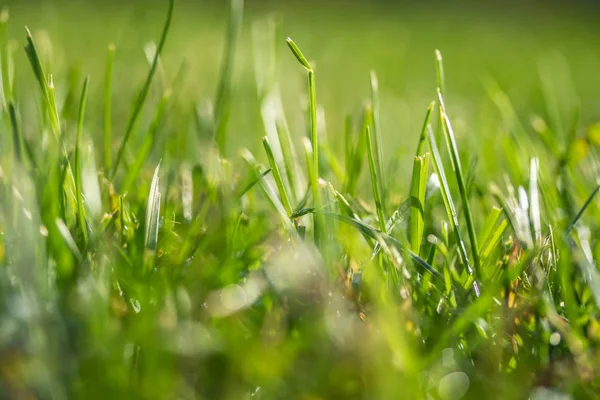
<point x="112" y="48"/>
<point x="438" y="55"/>
<point x="374" y="81"/>
<point x="299" y="56"/>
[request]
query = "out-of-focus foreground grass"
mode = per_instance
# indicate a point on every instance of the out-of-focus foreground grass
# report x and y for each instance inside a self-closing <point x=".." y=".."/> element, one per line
<point x="198" y="225"/>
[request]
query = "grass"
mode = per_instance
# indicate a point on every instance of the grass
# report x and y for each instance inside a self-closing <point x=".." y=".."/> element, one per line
<point x="194" y="261"/>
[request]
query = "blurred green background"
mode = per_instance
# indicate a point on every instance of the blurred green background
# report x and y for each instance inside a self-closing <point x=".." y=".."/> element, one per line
<point x="510" y="42"/>
<point x="542" y="55"/>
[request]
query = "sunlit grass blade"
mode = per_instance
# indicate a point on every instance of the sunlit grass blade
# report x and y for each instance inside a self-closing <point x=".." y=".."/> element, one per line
<point x="107" y="116"/>
<point x="449" y="204"/>
<point x="152" y="221"/>
<point x="417" y="195"/>
<point x="492" y="242"/>
<point x="439" y="72"/>
<point x="46" y="85"/>
<point x="314" y="141"/>
<point x="298" y="54"/>
<point x="377" y="139"/>
<point x="68" y="238"/>
<point x="375" y="181"/>
<point x="534" y="202"/>
<point x="277" y="177"/>
<point x="223" y="96"/>
<point x="81" y="214"/>
<point x="135" y="169"/>
<point x="141" y="99"/>
<point x="456" y="165"/>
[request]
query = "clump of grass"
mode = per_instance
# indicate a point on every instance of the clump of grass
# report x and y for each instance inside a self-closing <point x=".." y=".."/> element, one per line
<point x="206" y="284"/>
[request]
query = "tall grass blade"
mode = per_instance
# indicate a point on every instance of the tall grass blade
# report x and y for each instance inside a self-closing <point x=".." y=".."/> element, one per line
<point x="375" y="181"/>
<point x="456" y="165"/>
<point x="78" y="186"/>
<point x="107" y="117"/>
<point x="534" y="202"/>
<point x="439" y="72"/>
<point x="46" y="85"/>
<point x="417" y="196"/>
<point x="223" y="97"/>
<point x="152" y="221"/>
<point x="141" y="99"/>
<point x="377" y="139"/>
<point x="450" y="208"/>
<point x="314" y="141"/>
<point x="5" y="58"/>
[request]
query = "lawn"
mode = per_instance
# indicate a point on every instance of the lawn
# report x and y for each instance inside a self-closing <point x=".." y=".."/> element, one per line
<point x="299" y="200"/>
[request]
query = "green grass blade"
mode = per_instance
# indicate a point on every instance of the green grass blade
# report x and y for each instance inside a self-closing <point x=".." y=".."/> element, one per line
<point x="534" y="202"/>
<point x="377" y="139"/>
<point x="375" y="181"/>
<point x="423" y="137"/>
<point x="582" y="209"/>
<point x="68" y="238"/>
<point x="53" y="108"/>
<point x="19" y="143"/>
<point x="356" y="164"/>
<point x="268" y="190"/>
<point x="141" y="99"/>
<point x="223" y="96"/>
<point x="277" y="177"/>
<point x="289" y="157"/>
<point x="252" y="183"/>
<point x="5" y="58"/>
<point x="135" y="169"/>
<point x="298" y="54"/>
<point x="152" y="221"/>
<point x="491" y="243"/>
<point x="78" y="186"/>
<point x="46" y="84"/>
<point x="314" y="141"/>
<point x="449" y="204"/>
<point x="490" y="223"/>
<point x="417" y="194"/>
<point x="110" y="60"/>
<point x="439" y="72"/>
<point x="456" y="165"/>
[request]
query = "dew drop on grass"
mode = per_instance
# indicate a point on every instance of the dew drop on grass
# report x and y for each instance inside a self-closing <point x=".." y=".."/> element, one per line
<point x="233" y="297"/>
<point x="555" y="339"/>
<point x="453" y="386"/>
